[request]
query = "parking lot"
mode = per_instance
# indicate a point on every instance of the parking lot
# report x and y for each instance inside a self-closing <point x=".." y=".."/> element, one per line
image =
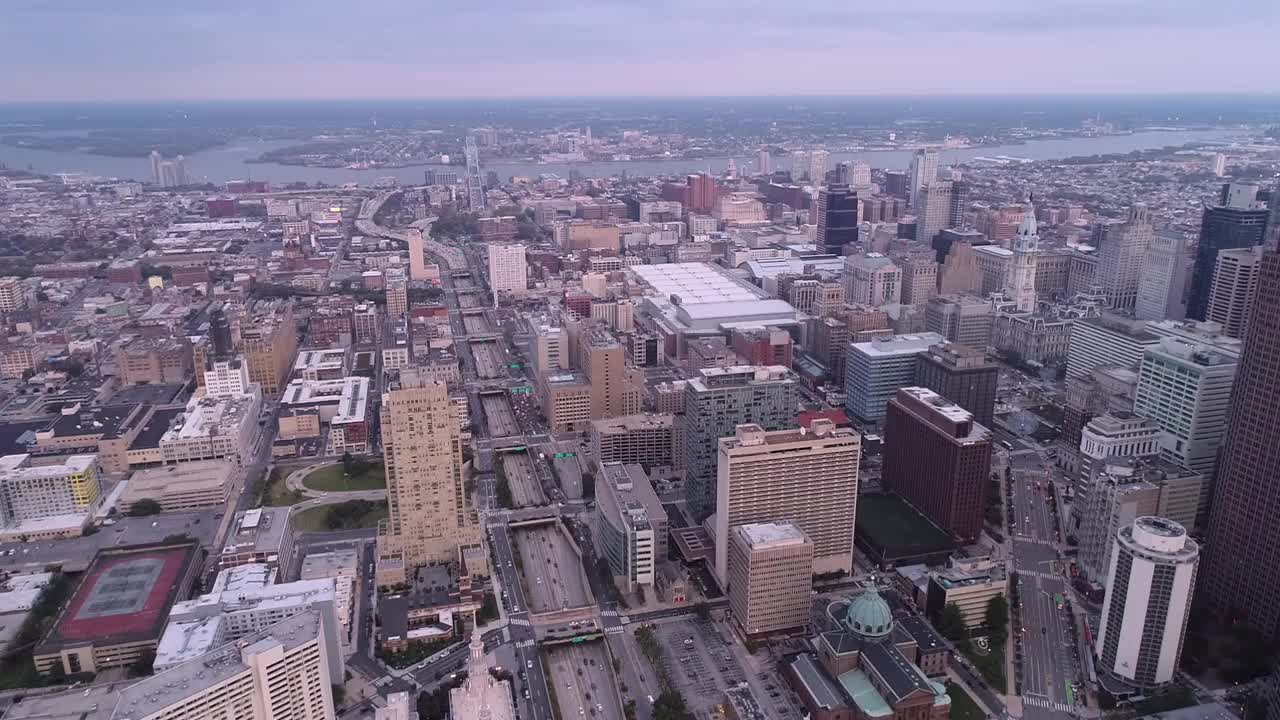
<point x="551" y="572"/>
<point x="499" y="420"/>
<point x="526" y="489"/>
<point x="583" y="678"/>
<point x="703" y="664"/>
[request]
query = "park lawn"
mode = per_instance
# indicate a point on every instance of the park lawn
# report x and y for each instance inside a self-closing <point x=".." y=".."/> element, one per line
<point x="317" y="519"/>
<point x="331" y="479"/>
<point x="990" y="665"/>
<point x="963" y="706"/>
<point x="277" y="494"/>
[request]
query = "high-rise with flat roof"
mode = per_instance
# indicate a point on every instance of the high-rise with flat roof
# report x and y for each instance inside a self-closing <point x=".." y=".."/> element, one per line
<point x="1107" y="340"/>
<point x="1238" y="222"/>
<point x="1242" y="571"/>
<point x="875" y="370"/>
<point x="923" y="171"/>
<point x="429" y="521"/>
<point x="614" y="391"/>
<point x="630" y="525"/>
<point x="1116" y="434"/>
<point x="1234" y="288"/>
<point x="872" y="279"/>
<point x="1163" y="278"/>
<point x="963" y="319"/>
<point x="837" y="217"/>
<point x="771" y="575"/>
<point x="13" y="296"/>
<point x="933" y="212"/>
<point x="809" y="477"/>
<point x="716" y="402"/>
<point x="938" y="459"/>
<point x="507" y="268"/>
<point x="919" y="278"/>
<point x="962" y="375"/>
<point x="1121" y="257"/>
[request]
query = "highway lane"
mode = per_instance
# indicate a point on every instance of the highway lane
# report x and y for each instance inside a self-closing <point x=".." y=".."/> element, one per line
<point x="533" y="691"/>
<point x="1048" y="663"/>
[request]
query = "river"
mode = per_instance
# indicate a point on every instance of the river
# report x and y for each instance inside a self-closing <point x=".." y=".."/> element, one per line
<point x="229" y="163"/>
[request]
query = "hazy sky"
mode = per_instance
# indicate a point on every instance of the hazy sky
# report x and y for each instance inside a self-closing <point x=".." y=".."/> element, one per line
<point x="190" y="49"/>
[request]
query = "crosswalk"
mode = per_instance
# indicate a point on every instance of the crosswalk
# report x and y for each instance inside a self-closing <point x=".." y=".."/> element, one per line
<point x="1046" y="703"/>
<point x="609" y="613"/>
<point x="1041" y="575"/>
<point x="615" y="630"/>
<point x="526" y="644"/>
<point x="521" y="621"/>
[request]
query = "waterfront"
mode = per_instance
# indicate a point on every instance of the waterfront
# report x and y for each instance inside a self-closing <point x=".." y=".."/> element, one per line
<point x="231" y="162"/>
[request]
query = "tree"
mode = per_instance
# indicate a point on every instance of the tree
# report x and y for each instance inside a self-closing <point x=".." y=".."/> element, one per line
<point x="145" y="507"/>
<point x="339" y="694"/>
<point x="997" y="619"/>
<point x="951" y="622"/>
<point x="75" y="368"/>
<point x="670" y="705"/>
<point x="489" y="608"/>
<point x="346" y="463"/>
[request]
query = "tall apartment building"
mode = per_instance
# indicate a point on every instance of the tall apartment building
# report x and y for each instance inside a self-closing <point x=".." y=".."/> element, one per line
<point x="1234" y="289"/>
<point x="417" y="255"/>
<point x="1163" y="278"/>
<point x="716" y="402"/>
<point x="1239" y="221"/>
<point x="938" y="459"/>
<point x="1126" y="490"/>
<point x="771" y="575"/>
<point x="1121" y="256"/>
<point x="47" y="499"/>
<point x="226" y="378"/>
<point x="808" y="477"/>
<point x="872" y="279"/>
<point x="429" y="521"/>
<point x="1149" y="589"/>
<point x="13" y="295"/>
<point x="630" y="528"/>
<point x="653" y="441"/>
<point x="1107" y="340"/>
<point x="397" y="294"/>
<point x="366" y="320"/>
<point x="963" y="319"/>
<point x="923" y="171"/>
<point x="508" y="269"/>
<point x="919" y="278"/>
<point x="1186" y="388"/>
<point x="551" y="349"/>
<point x="280" y="671"/>
<point x="962" y="375"/>
<point x="1242" y="570"/>
<point x="876" y="370"/>
<point x="837" y="218"/>
<point x="1116" y="434"/>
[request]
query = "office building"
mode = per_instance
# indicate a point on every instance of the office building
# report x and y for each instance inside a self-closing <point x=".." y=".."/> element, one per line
<point x="808" y="477"/>
<point x="226" y="378"/>
<point x="42" y="498"/>
<point x="551" y="349"/>
<point x="933" y="210"/>
<point x="1149" y="587"/>
<point x="1115" y="434"/>
<point x="718" y="400"/>
<point x="1238" y="222"/>
<point x="771" y="574"/>
<point x="1129" y="488"/>
<point x="818" y="166"/>
<point x="923" y="171"/>
<point x="963" y="319"/>
<point x="154" y="361"/>
<point x="970" y="586"/>
<point x="872" y="279"/>
<point x="763" y="345"/>
<point x="259" y="536"/>
<point x="214" y="427"/>
<point x="764" y="163"/>
<point x="1186" y="388"/>
<point x="1163" y="278"/>
<point x="615" y="389"/>
<point x="1020" y="286"/>
<point x="13" y="295"/>
<point x="630" y="525"/>
<point x="962" y="375"/>
<point x="652" y="441"/>
<point x="396" y="293"/>
<point x="1234" y="289"/>
<point x="876" y="370"/>
<point x="341" y="566"/>
<point x="269" y="338"/>
<point x="508" y="269"/>
<point x="938" y="459"/>
<point x="1122" y="251"/>
<point x="919" y="278"/>
<point x="837" y="218"/>
<point x="1107" y="340"/>
<point x="703" y="192"/>
<point x="1242" y="570"/>
<point x="429" y="521"/>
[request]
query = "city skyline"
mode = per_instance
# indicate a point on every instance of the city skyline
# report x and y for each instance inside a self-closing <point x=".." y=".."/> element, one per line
<point x="155" y="51"/>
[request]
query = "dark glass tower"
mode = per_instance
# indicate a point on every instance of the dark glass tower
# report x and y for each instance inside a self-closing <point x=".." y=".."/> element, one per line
<point x="1222" y="228"/>
<point x="1241" y="578"/>
<point x="837" y="218"/>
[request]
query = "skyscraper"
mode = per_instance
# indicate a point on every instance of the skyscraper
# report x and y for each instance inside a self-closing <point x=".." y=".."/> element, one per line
<point x="809" y="477"/>
<point x="417" y="254"/>
<point x="703" y="192"/>
<point x="507" y="268"/>
<point x="1227" y="226"/>
<point x="764" y="161"/>
<point x="818" y="166"/>
<point x="938" y="459"/>
<point x="156" y="158"/>
<point x="717" y="401"/>
<point x="1149" y="587"/>
<point x="962" y="375"/>
<point x="1121" y="257"/>
<point x="924" y="170"/>
<point x="1242" y="570"/>
<point x="770" y="578"/>
<point x="475" y="184"/>
<point x="876" y="370"/>
<point x="1234" y="287"/>
<point x="837" y="218"/>
<point x="933" y="211"/>
<point x="1021" y="284"/>
<point x="1163" y="278"/>
<point x="799" y="166"/>
<point x="429" y="521"/>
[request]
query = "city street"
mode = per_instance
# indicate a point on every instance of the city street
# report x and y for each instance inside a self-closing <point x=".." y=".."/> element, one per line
<point x="1047" y="642"/>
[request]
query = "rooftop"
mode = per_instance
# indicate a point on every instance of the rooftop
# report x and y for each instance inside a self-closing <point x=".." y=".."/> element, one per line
<point x="898" y="345"/>
<point x="781" y="534"/>
<point x="208" y="416"/>
<point x="260" y="530"/>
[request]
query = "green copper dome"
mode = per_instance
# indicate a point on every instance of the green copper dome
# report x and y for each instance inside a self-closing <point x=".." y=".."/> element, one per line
<point x="869" y="615"/>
